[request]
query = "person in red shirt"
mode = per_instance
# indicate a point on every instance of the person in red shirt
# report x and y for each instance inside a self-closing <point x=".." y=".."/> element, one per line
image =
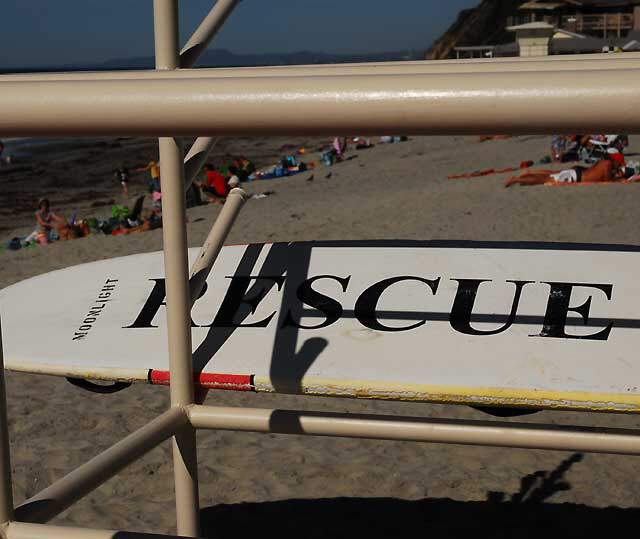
<point x="215" y="185"/>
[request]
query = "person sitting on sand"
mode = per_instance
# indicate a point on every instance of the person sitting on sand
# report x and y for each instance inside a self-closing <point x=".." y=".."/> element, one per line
<point x="215" y="185"/>
<point x="247" y="165"/>
<point x="233" y="182"/>
<point x="609" y="169"/>
<point x="46" y="220"/>
<point x="242" y="168"/>
<point x="150" y="221"/>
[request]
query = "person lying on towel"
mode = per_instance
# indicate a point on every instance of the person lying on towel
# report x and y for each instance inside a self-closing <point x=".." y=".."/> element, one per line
<point x="609" y="169"/>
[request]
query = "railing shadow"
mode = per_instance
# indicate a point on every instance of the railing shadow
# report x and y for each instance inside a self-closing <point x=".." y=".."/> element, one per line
<point x="526" y="513"/>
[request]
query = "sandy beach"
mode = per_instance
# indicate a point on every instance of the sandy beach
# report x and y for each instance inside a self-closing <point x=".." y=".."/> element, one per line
<point x="307" y="486"/>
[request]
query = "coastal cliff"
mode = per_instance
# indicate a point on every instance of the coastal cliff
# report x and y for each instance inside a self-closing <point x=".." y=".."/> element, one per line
<point x="482" y="25"/>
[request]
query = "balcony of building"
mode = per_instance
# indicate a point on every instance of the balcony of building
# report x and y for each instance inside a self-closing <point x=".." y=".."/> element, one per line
<point x="595" y="24"/>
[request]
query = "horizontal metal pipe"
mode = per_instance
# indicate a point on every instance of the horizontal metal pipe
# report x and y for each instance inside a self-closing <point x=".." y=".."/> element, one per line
<point x="556" y="102"/>
<point x="571" y="63"/>
<point x="20" y="530"/>
<point x="488" y="433"/>
<point x="63" y="493"/>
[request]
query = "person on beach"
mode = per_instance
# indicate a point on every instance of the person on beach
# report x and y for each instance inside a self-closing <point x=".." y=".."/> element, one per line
<point x="215" y="186"/>
<point x="340" y="146"/>
<point x="150" y="221"/>
<point x="154" y="169"/>
<point x="46" y="220"/>
<point x="609" y="169"/>
<point x="233" y="182"/>
<point x="123" y="175"/>
<point x="484" y="138"/>
<point x="242" y="168"/>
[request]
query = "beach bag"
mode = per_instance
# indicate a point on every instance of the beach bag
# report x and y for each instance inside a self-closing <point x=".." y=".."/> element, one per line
<point x="328" y="158"/>
<point x="105" y="227"/>
<point x="14" y="244"/>
<point x="67" y="233"/>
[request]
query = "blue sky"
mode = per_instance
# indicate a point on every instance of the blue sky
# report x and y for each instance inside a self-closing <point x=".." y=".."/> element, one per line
<point x="57" y="32"/>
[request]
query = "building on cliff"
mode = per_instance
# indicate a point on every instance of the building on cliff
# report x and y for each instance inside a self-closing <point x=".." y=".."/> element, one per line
<point x="541" y="27"/>
<point x="597" y="18"/>
<point x="542" y="39"/>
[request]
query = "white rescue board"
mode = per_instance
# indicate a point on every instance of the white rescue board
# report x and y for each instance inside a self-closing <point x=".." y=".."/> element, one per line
<point x="527" y="325"/>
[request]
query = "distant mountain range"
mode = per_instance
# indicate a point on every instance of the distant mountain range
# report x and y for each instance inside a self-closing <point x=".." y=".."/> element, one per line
<point x="225" y="58"/>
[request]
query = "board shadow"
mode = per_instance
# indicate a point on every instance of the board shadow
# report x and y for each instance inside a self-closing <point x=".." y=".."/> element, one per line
<point x="526" y="513"/>
<point x="288" y="365"/>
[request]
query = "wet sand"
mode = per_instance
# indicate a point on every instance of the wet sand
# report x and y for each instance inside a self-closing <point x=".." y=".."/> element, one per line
<point x="306" y="486"/>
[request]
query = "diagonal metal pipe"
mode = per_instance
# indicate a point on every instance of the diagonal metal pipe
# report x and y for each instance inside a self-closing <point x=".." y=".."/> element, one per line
<point x="207" y="30"/>
<point x="63" y="493"/>
<point x="189" y="55"/>
<point x="196" y="157"/>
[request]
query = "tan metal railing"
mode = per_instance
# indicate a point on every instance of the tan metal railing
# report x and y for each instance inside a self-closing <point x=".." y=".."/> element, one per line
<point x="510" y="96"/>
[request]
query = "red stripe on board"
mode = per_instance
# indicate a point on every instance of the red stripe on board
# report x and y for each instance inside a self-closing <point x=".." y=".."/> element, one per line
<point x="231" y="382"/>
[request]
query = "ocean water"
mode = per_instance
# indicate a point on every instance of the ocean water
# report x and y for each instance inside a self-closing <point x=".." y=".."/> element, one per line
<point x="24" y="147"/>
<point x="20" y="148"/>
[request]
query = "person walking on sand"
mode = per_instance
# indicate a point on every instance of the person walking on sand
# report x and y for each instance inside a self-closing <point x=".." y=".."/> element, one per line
<point x="123" y="175"/>
<point x="154" y="169"/>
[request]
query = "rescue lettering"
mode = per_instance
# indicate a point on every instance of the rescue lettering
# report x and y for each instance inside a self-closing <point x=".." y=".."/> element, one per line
<point x="245" y="293"/>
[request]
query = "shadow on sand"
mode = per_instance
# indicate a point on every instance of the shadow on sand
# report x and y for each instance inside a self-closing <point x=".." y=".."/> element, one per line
<point x="523" y="514"/>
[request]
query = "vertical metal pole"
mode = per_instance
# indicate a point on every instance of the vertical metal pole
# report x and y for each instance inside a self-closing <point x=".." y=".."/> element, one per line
<point x="6" y="486"/>
<point x="165" y="29"/>
<point x="185" y="467"/>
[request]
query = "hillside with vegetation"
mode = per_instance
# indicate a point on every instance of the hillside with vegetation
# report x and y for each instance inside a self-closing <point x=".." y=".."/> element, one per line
<point x="482" y="25"/>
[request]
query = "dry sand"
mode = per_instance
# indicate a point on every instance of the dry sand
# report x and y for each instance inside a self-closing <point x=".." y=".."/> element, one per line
<point x="297" y="486"/>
